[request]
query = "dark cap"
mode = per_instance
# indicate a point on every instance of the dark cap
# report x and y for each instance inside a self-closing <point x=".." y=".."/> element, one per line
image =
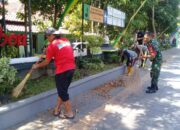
<point x="50" y="31"/>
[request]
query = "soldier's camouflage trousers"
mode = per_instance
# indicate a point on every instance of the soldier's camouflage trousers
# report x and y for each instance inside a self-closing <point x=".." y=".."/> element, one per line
<point x="155" y="71"/>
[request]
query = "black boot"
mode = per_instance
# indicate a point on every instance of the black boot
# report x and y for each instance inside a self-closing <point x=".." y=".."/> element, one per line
<point x="156" y="88"/>
<point x="151" y="89"/>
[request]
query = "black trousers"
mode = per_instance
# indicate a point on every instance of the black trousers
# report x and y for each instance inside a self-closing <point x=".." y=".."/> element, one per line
<point x="63" y="81"/>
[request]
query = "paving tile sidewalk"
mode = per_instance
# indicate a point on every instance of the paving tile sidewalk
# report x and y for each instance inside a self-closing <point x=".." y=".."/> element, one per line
<point x="141" y="111"/>
<point x="130" y="109"/>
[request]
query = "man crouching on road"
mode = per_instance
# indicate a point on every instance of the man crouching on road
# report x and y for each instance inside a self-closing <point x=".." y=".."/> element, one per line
<point x="156" y="58"/>
<point x="60" y="50"/>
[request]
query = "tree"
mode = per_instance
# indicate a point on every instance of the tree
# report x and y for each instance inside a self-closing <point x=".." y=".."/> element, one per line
<point x="165" y="14"/>
<point x="154" y="15"/>
<point x="135" y="17"/>
<point x="46" y="10"/>
<point x="73" y="21"/>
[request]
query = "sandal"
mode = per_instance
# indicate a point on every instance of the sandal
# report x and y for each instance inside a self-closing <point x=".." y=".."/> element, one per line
<point x="64" y="116"/>
<point x="56" y="113"/>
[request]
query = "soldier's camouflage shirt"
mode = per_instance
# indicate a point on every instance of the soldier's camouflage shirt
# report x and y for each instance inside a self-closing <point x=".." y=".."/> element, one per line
<point x="154" y="49"/>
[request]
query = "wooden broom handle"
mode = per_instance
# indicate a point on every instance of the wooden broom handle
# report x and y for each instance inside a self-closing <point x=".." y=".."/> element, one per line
<point x="40" y="57"/>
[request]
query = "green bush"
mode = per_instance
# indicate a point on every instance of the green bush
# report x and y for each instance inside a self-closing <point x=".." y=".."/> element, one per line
<point x="7" y="77"/>
<point x="72" y="37"/>
<point x="93" y="63"/>
<point x="80" y="62"/>
<point x="95" y="50"/>
<point x="111" y="57"/>
<point x="77" y="74"/>
<point x="9" y="51"/>
<point x="114" y="58"/>
<point x="94" y="66"/>
<point x="93" y="40"/>
<point x="94" y="60"/>
<point x="166" y="46"/>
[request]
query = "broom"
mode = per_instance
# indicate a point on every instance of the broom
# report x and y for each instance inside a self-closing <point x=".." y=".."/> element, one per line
<point x="17" y="90"/>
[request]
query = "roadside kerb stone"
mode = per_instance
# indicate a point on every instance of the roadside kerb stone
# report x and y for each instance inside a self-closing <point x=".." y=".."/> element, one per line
<point x="29" y="107"/>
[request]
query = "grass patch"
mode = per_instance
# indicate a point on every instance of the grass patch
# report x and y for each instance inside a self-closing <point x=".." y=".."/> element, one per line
<point x="45" y="83"/>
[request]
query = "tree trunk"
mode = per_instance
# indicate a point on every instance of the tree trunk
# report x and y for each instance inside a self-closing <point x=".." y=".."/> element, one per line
<point x="25" y="21"/>
<point x="55" y="13"/>
<point x="153" y="21"/>
<point x="30" y="28"/>
<point x="125" y="30"/>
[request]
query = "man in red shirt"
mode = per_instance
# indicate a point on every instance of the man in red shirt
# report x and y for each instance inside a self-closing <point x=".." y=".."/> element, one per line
<point x="60" y="50"/>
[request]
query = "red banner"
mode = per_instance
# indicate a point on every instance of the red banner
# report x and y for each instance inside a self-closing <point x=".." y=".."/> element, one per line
<point x="12" y="39"/>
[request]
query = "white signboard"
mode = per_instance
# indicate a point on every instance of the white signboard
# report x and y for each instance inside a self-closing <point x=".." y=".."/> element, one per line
<point x="109" y="11"/>
<point x="115" y="17"/>
<point x="109" y="20"/>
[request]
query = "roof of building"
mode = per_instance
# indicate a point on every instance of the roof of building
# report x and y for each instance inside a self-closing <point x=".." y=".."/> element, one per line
<point x="13" y="23"/>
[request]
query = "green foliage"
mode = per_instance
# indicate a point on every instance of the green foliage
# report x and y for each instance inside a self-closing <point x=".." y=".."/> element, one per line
<point x="73" y="22"/>
<point x="94" y="60"/>
<point x="72" y="37"/>
<point x="94" y="43"/>
<point x="77" y="74"/>
<point x="37" y="86"/>
<point x="93" y="66"/>
<point x="9" y="51"/>
<point x="48" y="12"/>
<point x="1" y="7"/>
<point x="114" y="58"/>
<point x="140" y="22"/>
<point x="93" y="63"/>
<point x="129" y="7"/>
<point x="7" y="77"/>
<point x="95" y="50"/>
<point x="166" y="13"/>
<point x="43" y="84"/>
<point x="166" y="46"/>
<point x="127" y="41"/>
<point x="111" y="57"/>
<point x="38" y="21"/>
<point x="42" y="24"/>
<point x="94" y="40"/>
<point x="80" y="62"/>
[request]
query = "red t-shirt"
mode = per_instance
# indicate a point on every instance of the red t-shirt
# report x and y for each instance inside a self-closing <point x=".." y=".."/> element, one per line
<point x="61" y="51"/>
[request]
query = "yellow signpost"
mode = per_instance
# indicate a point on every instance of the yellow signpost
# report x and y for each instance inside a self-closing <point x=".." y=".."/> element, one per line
<point x="96" y="14"/>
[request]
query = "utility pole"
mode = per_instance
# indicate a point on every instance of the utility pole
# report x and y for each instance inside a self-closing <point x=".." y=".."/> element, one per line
<point x="30" y="27"/>
<point x="82" y="20"/>
<point x="25" y="21"/>
<point x="3" y="17"/>
<point x="4" y="22"/>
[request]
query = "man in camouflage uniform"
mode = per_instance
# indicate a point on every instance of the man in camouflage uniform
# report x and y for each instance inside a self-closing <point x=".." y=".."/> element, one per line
<point x="156" y="58"/>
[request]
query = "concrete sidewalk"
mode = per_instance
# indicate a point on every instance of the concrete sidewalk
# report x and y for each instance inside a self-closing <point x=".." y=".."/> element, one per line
<point x="123" y="108"/>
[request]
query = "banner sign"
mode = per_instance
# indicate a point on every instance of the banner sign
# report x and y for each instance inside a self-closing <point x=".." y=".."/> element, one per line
<point x="111" y="16"/>
<point x="114" y="17"/>
<point x="96" y="14"/>
<point x="86" y="11"/>
<point x="12" y="39"/>
<point x="93" y="13"/>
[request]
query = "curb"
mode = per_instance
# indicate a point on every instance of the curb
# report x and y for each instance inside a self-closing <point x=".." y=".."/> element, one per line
<point x="25" y="109"/>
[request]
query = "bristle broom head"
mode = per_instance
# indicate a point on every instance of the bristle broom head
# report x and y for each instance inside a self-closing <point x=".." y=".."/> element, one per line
<point x="17" y="90"/>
